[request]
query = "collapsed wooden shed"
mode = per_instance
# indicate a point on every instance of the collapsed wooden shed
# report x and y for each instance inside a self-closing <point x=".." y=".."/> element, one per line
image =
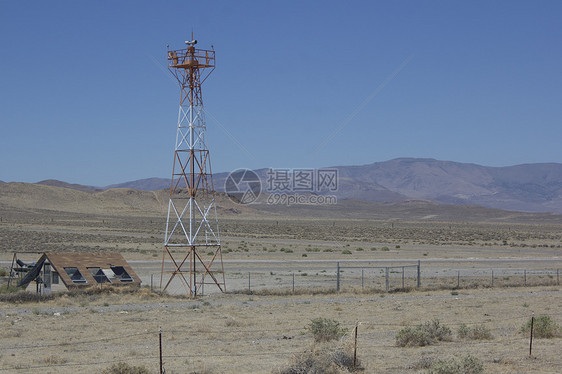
<point x="80" y="270"/>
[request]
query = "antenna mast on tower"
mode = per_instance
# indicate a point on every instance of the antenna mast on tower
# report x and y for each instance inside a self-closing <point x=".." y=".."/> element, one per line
<point x="192" y="230"/>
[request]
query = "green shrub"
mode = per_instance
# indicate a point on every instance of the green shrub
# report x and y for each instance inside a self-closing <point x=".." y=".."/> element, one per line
<point x="422" y="335"/>
<point x="479" y="332"/>
<point x="346" y="252"/>
<point x="124" y="368"/>
<point x="438" y="331"/>
<point x="323" y="359"/>
<point x="463" y="331"/>
<point x="423" y="363"/>
<point x="3" y="272"/>
<point x="467" y="365"/>
<point x="325" y="330"/>
<point x="386" y="249"/>
<point x="543" y="327"/>
<point x="412" y="337"/>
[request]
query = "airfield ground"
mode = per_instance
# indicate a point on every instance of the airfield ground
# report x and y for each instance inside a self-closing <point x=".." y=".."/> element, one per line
<point x="257" y="333"/>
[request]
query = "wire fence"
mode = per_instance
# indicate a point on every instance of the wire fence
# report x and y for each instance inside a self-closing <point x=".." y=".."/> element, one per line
<point x="143" y="347"/>
<point x="370" y="276"/>
<point x="298" y="277"/>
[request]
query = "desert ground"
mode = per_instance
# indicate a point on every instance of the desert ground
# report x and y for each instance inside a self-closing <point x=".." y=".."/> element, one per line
<point x="280" y="274"/>
<point x="258" y="334"/>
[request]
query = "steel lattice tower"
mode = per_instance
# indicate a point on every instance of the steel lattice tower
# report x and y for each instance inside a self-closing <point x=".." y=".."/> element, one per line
<point x="192" y="226"/>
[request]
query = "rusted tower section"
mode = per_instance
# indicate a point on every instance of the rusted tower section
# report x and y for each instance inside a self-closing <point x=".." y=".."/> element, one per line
<point x="192" y="230"/>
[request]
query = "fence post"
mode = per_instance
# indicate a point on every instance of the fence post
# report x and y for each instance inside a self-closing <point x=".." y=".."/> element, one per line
<point x="531" y="339"/>
<point x="492" y="277"/>
<point x="525" y="276"/>
<point x="151" y="281"/>
<point x="249" y="282"/>
<point x="355" y="346"/>
<point x="402" y="278"/>
<point x="557" y="277"/>
<point x="458" y="279"/>
<point x="362" y="281"/>
<point x="160" y="344"/>
<point x="293" y="282"/>
<point x="386" y="276"/>
<point x="338" y="278"/>
<point x="419" y="273"/>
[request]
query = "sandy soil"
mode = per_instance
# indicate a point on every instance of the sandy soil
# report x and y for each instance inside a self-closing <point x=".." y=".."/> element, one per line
<point x="237" y="333"/>
<point x="242" y="334"/>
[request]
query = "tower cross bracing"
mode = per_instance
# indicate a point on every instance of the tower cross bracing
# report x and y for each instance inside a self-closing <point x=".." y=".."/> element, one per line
<point x="192" y="239"/>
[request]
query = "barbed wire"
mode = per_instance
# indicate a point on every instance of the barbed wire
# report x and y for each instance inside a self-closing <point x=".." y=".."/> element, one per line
<point x="364" y="338"/>
<point x="25" y="367"/>
<point x="253" y="331"/>
<point x="67" y="343"/>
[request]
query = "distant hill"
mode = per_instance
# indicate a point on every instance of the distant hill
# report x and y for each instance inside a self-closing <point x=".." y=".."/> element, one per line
<point x="408" y="210"/>
<point x="148" y="184"/>
<point x="38" y="200"/>
<point x="528" y="187"/>
<point x="42" y="199"/>
<point x="153" y="184"/>
<point x="78" y="187"/>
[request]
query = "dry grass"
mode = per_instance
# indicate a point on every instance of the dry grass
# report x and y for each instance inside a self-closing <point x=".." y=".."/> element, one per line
<point x="465" y="365"/>
<point x="17" y="296"/>
<point x="240" y="334"/>
<point x="142" y="234"/>
<point x="262" y="332"/>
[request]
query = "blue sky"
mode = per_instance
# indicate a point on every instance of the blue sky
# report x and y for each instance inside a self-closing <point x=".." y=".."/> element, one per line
<point x="84" y="97"/>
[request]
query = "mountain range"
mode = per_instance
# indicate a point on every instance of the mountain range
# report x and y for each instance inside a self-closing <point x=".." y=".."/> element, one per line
<point x="527" y="188"/>
<point x="34" y="202"/>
